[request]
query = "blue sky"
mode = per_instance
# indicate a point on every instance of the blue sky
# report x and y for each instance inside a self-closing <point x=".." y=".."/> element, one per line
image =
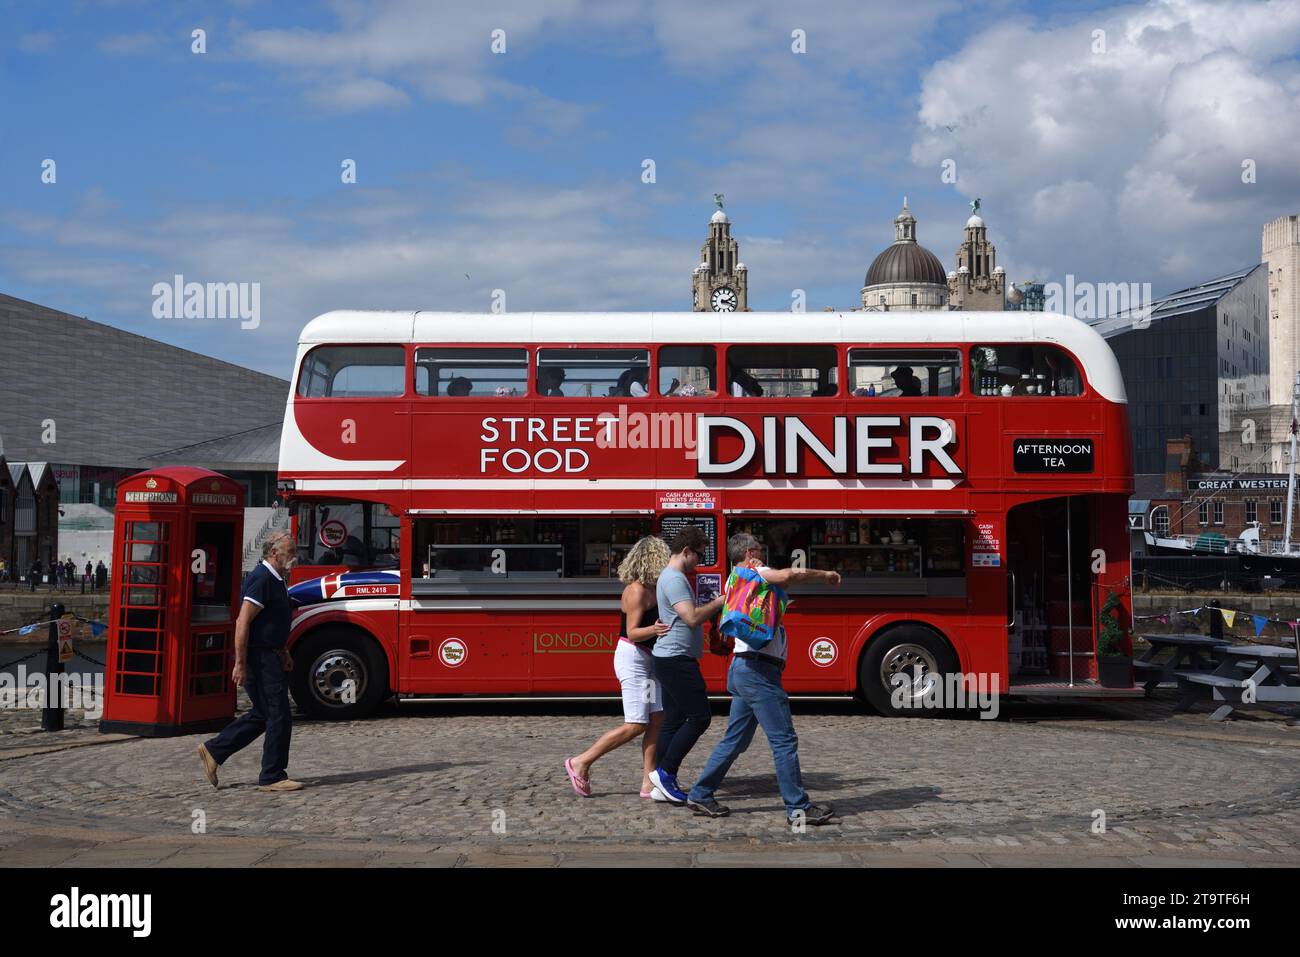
<point x="522" y="171"/>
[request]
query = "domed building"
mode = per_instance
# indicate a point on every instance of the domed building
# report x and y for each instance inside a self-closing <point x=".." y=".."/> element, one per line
<point x="906" y="275"/>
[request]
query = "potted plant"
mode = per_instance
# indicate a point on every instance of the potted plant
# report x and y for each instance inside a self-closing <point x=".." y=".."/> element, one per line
<point x="1114" y="667"/>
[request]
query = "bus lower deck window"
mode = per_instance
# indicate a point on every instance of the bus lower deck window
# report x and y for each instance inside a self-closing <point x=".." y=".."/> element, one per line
<point x="525" y="547"/>
<point x="860" y="547"/>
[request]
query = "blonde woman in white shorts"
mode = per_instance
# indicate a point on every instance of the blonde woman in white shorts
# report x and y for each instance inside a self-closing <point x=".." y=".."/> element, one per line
<point x="634" y="666"/>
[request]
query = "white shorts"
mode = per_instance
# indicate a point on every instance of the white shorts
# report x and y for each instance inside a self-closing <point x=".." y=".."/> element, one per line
<point x="635" y="668"/>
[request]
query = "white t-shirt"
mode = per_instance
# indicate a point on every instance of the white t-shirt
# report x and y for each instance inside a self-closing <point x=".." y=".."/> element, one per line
<point x="779" y="645"/>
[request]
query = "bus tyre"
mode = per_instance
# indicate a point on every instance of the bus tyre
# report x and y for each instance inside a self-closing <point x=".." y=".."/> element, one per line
<point x="913" y="651"/>
<point x="339" y="674"/>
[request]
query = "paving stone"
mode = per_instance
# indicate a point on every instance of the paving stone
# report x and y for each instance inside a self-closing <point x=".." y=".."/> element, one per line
<point x="486" y="787"/>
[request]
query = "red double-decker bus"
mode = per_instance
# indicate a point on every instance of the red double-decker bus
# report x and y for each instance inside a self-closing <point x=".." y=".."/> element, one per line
<point x="465" y="487"/>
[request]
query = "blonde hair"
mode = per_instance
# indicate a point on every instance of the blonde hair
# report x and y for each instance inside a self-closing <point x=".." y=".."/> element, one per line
<point x="644" y="562"/>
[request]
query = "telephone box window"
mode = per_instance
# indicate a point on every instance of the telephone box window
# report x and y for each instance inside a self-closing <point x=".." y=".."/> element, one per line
<point x="140" y="648"/>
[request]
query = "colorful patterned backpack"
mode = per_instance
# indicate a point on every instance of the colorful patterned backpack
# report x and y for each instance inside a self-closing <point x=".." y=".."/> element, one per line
<point x="752" y="609"/>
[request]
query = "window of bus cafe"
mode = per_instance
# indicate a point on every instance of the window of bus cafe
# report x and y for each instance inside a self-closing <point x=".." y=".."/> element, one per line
<point x="860" y="547"/>
<point x="593" y="373"/>
<point x="688" y="371"/>
<point x="904" y="372"/>
<point x="471" y="372"/>
<point x="1021" y="369"/>
<point x="524" y="547"/>
<point x="787" y="372"/>
<point x="353" y="372"/>
<point x="354" y="534"/>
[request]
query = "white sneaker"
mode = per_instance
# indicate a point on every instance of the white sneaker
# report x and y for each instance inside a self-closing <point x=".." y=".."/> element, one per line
<point x="657" y="795"/>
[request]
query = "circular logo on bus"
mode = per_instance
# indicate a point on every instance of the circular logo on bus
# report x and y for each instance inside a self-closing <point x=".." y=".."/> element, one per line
<point x="333" y="533"/>
<point x="453" y="652"/>
<point x="823" y="652"/>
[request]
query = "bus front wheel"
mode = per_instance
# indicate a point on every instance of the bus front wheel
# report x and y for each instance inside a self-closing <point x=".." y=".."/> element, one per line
<point x="903" y="668"/>
<point x="339" y="674"/>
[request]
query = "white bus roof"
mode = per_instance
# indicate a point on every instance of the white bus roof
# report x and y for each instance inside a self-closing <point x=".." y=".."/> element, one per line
<point x="874" y="328"/>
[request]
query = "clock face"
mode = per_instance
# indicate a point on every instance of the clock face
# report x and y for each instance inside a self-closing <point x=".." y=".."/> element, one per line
<point x="724" y="300"/>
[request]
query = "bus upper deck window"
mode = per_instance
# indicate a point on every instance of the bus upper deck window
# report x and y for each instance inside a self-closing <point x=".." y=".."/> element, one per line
<point x="904" y="372"/>
<point x="1019" y="369"/>
<point x="790" y="372"/>
<point x="593" y="373"/>
<point x="353" y="372"/>
<point x="472" y="373"/>
<point x="686" y="371"/>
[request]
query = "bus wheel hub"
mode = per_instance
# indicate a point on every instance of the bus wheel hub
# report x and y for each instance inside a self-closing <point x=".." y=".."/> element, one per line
<point x="338" y="678"/>
<point x="914" y="662"/>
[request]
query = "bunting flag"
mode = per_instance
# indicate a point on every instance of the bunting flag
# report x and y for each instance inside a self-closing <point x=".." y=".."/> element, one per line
<point x="26" y="629"/>
<point x="1229" y="616"/>
<point x="97" y="628"/>
<point x="1260" y="622"/>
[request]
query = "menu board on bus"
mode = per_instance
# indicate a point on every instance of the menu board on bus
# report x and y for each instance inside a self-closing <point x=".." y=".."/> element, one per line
<point x="670" y="525"/>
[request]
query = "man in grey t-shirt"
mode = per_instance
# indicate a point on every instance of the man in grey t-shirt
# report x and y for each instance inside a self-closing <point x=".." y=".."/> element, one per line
<point x="672" y="589"/>
<point x="677" y="661"/>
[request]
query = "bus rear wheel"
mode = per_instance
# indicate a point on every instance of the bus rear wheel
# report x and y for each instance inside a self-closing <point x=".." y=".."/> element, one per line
<point x="339" y="674"/>
<point x="901" y="666"/>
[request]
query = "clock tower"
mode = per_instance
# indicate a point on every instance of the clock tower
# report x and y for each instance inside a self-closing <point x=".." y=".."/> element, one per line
<point x="720" y="282"/>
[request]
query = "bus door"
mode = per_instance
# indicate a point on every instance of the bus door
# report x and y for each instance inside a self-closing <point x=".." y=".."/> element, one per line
<point x="1050" y="590"/>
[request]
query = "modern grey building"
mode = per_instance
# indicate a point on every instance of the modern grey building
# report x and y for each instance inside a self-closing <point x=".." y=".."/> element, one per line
<point x="98" y="403"/>
<point x="1197" y="363"/>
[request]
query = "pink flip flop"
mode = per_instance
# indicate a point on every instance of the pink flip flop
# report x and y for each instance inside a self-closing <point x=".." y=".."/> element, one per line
<point x="581" y="785"/>
<point x="646" y="794"/>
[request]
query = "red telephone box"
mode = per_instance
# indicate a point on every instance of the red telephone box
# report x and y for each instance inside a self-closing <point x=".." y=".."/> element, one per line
<point x="178" y="535"/>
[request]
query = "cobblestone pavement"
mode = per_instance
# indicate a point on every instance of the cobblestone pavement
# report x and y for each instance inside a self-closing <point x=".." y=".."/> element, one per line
<point x="447" y="783"/>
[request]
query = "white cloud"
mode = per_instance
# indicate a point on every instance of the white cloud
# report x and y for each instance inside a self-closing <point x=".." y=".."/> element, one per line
<point x="547" y="248"/>
<point x="38" y="41"/>
<point x="130" y="44"/>
<point x="1100" y="163"/>
<point x="360" y="93"/>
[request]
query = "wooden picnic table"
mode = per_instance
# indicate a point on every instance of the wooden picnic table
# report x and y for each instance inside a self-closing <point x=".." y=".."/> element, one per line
<point x="1266" y="674"/>
<point x="1190" y="653"/>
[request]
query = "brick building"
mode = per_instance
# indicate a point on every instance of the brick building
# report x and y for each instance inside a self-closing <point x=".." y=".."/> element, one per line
<point x="1189" y="503"/>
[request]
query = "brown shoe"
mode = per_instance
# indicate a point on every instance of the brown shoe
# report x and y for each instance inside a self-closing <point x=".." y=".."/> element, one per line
<point x="209" y="764"/>
<point x="287" y="784"/>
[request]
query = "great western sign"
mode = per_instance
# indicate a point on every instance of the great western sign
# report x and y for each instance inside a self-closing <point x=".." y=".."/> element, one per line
<point x="1237" y="485"/>
<point x="1053" y="455"/>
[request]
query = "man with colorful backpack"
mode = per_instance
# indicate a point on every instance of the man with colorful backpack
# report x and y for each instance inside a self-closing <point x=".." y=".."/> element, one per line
<point x="754" y="604"/>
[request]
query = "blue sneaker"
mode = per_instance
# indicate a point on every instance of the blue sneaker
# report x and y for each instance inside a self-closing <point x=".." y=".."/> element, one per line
<point x="667" y="783"/>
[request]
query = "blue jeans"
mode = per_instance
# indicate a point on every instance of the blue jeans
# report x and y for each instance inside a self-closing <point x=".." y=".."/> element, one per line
<point x="757" y="698"/>
<point x="267" y="684"/>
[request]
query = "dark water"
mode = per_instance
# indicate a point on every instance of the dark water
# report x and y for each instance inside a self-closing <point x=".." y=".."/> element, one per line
<point x="10" y="652"/>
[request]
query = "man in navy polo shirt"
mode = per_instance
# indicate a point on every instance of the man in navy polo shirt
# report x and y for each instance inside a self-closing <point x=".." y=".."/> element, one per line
<point x="262" y="664"/>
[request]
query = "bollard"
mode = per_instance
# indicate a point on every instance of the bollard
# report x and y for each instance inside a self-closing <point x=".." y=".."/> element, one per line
<point x="1216" y="620"/>
<point x="52" y="712"/>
